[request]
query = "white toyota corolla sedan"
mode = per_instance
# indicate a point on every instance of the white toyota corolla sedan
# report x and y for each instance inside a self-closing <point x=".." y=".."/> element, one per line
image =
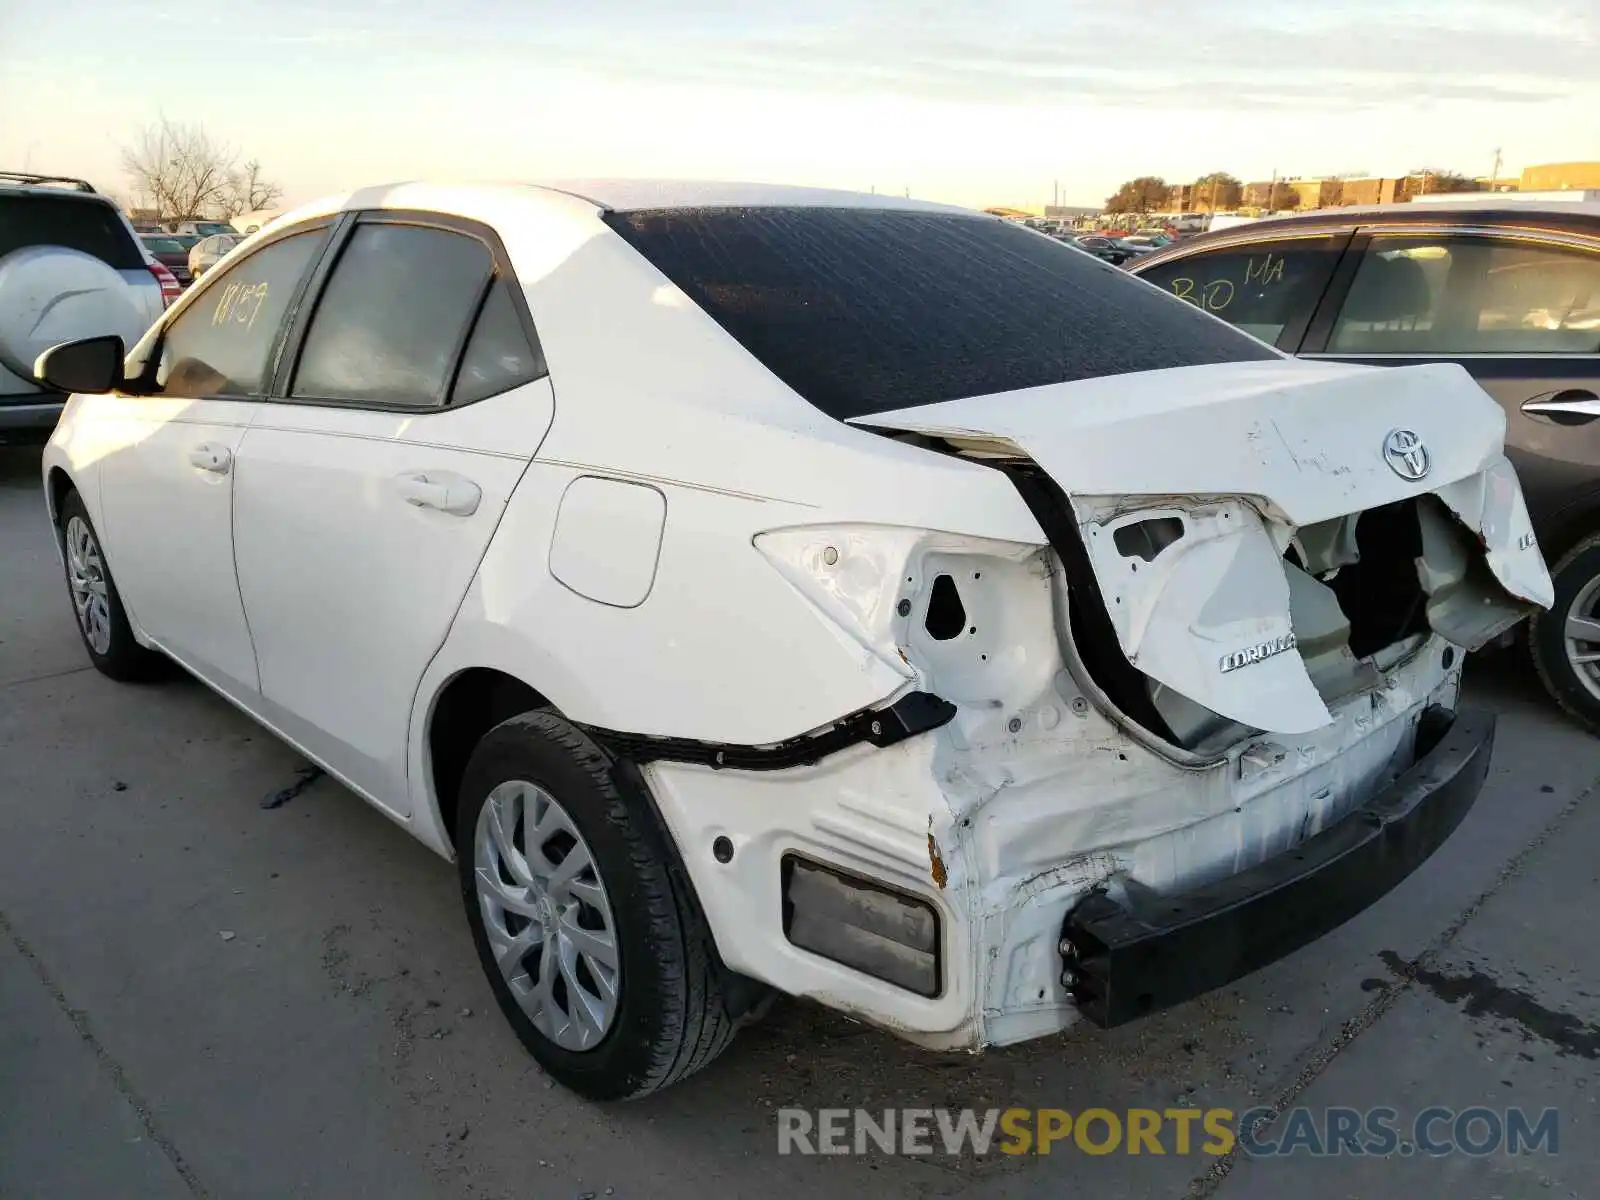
<point x="761" y="590"/>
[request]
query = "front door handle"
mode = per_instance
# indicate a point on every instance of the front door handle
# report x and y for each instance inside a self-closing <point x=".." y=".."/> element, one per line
<point x="438" y="490"/>
<point x="211" y="458"/>
<point x="1575" y="406"/>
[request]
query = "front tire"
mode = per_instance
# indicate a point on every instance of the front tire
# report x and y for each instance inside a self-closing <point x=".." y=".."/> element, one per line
<point x="583" y="918"/>
<point x="1565" y="640"/>
<point x="102" y="621"/>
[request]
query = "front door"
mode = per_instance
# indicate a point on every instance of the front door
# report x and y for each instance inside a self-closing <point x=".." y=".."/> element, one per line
<point x="168" y="474"/>
<point x="368" y="492"/>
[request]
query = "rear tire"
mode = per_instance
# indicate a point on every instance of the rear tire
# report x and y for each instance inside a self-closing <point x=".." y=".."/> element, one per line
<point x="608" y="1024"/>
<point x="97" y="606"/>
<point x="1562" y="637"/>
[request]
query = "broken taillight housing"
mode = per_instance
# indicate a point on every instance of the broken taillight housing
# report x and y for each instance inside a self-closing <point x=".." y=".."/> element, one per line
<point x="865" y="925"/>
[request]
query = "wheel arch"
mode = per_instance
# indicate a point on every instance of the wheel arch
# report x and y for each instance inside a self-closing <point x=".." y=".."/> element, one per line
<point x="1568" y="526"/>
<point x="466" y="706"/>
<point x="57" y="484"/>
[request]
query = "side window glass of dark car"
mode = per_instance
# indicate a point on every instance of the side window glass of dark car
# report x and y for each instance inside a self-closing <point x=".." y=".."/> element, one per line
<point x="392" y="318"/>
<point x="1261" y="288"/>
<point x="499" y="354"/>
<point x="220" y="344"/>
<point x="1538" y="300"/>
<point x="1471" y="294"/>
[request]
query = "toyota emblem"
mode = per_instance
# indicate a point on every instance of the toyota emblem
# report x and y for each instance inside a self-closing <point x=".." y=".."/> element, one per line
<point x="1406" y="455"/>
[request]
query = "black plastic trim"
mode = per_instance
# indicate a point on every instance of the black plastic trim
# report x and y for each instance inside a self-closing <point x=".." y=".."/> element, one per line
<point x="1133" y="958"/>
<point x="912" y="714"/>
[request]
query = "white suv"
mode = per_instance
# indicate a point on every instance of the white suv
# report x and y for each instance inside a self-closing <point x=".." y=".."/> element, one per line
<point x="763" y="589"/>
<point x="70" y="267"/>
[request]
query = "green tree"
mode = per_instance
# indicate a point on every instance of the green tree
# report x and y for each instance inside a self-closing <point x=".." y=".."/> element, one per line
<point x="1216" y="191"/>
<point x="1139" y="195"/>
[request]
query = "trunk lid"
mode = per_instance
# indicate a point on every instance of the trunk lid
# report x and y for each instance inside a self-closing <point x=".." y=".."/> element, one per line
<point x="1189" y="486"/>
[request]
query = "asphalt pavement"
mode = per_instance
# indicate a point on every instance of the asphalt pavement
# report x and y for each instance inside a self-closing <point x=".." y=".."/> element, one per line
<point x="204" y="996"/>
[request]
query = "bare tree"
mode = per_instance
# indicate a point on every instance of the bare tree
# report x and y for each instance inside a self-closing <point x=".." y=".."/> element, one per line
<point x="184" y="173"/>
<point x="248" y="192"/>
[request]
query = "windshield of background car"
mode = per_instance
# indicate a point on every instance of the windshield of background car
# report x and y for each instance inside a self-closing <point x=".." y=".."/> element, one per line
<point x="865" y="311"/>
<point x="163" y="245"/>
<point x="88" y="226"/>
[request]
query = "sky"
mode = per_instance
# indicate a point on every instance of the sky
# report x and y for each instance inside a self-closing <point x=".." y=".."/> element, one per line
<point x="981" y="103"/>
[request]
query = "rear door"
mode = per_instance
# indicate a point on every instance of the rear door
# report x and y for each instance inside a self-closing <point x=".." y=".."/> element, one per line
<point x="1268" y="287"/>
<point x="1518" y="309"/>
<point x="407" y="407"/>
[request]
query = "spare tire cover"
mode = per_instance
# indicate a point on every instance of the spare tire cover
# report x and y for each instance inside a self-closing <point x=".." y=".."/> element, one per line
<point x="50" y="295"/>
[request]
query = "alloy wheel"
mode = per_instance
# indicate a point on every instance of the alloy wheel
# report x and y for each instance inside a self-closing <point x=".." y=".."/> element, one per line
<point x="547" y="915"/>
<point x="1582" y="636"/>
<point x="86" y="577"/>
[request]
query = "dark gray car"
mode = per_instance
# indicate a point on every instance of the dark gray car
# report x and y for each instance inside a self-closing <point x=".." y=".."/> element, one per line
<point x="1511" y="291"/>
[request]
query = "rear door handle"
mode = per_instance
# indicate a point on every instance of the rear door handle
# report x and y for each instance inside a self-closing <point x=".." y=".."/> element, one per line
<point x="211" y="458"/>
<point x="439" y="490"/>
<point x="1575" y="406"/>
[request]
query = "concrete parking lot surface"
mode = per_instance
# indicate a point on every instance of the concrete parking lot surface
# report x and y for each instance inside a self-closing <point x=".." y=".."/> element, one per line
<point x="202" y="996"/>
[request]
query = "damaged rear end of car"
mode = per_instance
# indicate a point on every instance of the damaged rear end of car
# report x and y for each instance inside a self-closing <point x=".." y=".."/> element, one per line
<point x="1190" y="622"/>
<point x="1262" y="583"/>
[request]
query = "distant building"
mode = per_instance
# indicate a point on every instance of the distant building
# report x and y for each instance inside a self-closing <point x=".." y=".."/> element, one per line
<point x="1317" y="193"/>
<point x="1180" y="198"/>
<point x="1369" y="191"/>
<point x="1559" y="177"/>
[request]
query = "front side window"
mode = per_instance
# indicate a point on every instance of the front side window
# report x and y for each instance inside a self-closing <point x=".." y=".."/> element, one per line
<point x="866" y="311"/>
<point x="220" y="345"/>
<point x="392" y="317"/>
<point x="1471" y="294"/>
<point x="1261" y="288"/>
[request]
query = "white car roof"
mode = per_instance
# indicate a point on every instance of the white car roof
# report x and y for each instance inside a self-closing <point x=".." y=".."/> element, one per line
<point x="616" y="195"/>
<point x="625" y="195"/>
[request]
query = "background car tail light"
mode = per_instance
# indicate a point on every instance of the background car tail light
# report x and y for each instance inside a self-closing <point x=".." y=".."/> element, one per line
<point x="170" y="288"/>
<point x="888" y="934"/>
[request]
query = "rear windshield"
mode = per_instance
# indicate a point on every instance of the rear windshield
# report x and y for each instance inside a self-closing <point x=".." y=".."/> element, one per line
<point x="163" y="245"/>
<point x="91" y="226"/>
<point x="865" y="311"/>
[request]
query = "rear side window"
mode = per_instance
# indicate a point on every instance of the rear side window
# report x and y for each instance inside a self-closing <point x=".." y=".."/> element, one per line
<point x="499" y="355"/>
<point x="866" y="311"/>
<point x="89" y="226"/>
<point x="1262" y="288"/>
<point x="1471" y="294"/>
<point x="220" y="344"/>
<point x="393" y="316"/>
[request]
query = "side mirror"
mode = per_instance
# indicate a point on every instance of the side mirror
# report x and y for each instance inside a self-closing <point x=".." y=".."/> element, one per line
<point x="92" y="365"/>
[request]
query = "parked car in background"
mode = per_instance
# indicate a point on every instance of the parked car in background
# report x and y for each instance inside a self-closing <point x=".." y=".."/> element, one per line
<point x="199" y="228"/>
<point x="70" y="267"/>
<point x="1511" y="292"/>
<point x="1112" y="250"/>
<point x="170" y="251"/>
<point x="924" y="625"/>
<point x="208" y="250"/>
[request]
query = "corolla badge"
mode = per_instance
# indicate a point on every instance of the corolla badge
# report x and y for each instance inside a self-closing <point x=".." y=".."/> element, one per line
<point x="1257" y="653"/>
<point x="1406" y="455"/>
